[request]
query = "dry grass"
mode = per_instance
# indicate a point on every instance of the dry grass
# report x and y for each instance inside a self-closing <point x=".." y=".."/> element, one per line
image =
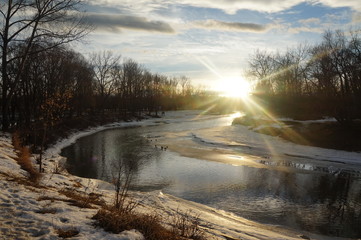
<point x="187" y="225"/>
<point x="23" y="159"/>
<point x="59" y="168"/>
<point x="184" y="226"/>
<point x="83" y="200"/>
<point x="47" y="210"/>
<point x="67" y="233"/>
<point x="78" y="199"/>
<point x="116" y="221"/>
<point x="16" y="141"/>
<point x="52" y="199"/>
<point x="23" y="181"/>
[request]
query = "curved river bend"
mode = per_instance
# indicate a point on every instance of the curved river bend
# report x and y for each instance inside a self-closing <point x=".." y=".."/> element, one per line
<point x="209" y="161"/>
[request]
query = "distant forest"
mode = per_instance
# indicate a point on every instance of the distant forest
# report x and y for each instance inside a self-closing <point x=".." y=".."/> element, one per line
<point x="44" y="82"/>
<point x="61" y="83"/>
<point x="311" y="81"/>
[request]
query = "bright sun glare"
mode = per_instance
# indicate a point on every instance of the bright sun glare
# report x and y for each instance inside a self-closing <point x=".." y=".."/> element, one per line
<point x="236" y="87"/>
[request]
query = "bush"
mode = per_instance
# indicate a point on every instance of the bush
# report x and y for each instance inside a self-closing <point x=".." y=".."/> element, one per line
<point x="115" y="221"/>
<point x="67" y="233"/>
<point x="23" y="159"/>
<point x="188" y="226"/>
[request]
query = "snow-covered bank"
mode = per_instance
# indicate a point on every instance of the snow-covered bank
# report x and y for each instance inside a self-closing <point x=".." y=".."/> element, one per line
<point x="33" y="212"/>
<point x="25" y="211"/>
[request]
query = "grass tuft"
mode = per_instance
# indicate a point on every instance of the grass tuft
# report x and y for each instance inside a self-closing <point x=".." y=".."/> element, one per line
<point x="47" y="210"/>
<point x="115" y="221"/>
<point x="23" y="159"/>
<point x="83" y="200"/>
<point x="187" y="225"/>
<point x="67" y="233"/>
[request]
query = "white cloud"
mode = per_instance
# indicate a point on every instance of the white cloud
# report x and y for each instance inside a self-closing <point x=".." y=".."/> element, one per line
<point x="309" y="21"/>
<point x="232" y="6"/>
<point x="305" y="29"/>
<point x="228" y="6"/>
<point x="356" y="18"/>
<point x="354" y="4"/>
<point x="230" y="26"/>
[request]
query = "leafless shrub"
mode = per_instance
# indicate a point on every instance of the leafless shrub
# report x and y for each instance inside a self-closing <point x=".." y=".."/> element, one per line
<point x="122" y="179"/>
<point x="58" y="168"/>
<point x="187" y="225"/>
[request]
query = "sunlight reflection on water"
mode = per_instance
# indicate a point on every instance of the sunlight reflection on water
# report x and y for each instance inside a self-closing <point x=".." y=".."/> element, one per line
<point x="284" y="190"/>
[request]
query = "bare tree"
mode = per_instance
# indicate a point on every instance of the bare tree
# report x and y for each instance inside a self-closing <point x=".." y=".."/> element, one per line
<point x="185" y="85"/>
<point x="133" y="79"/>
<point x="104" y="64"/>
<point x="33" y="22"/>
<point x="261" y="70"/>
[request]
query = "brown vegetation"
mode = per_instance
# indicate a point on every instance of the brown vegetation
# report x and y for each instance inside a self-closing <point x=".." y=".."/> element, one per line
<point x="47" y="210"/>
<point x="83" y="200"/>
<point x="67" y="233"/>
<point x="150" y="226"/>
<point x="116" y="221"/>
<point x="187" y="225"/>
<point x="23" y="158"/>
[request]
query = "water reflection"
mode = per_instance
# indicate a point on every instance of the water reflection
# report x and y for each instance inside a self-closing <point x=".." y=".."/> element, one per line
<point x="101" y="155"/>
<point x="305" y="196"/>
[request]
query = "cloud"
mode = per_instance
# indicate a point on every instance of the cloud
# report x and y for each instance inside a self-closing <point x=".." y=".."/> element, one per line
<point x="307" y="25"/>
<point x="116" y="22"/>
<point x="232" y="6"/>
<point x="354" y="4"/>
<point x="356" y="18"/>
<point x="228" y="6"/>
<point x="269" y="6"/>
<point x="310" y="21"/>
<point x="230" y="26"/>
<point x="296" y="30"/>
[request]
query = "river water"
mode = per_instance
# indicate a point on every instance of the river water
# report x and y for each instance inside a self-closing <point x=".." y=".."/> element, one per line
<point x="203" y="158"/>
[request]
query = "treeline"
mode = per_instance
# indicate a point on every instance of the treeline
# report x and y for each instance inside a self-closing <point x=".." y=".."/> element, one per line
<point x="43" y="81"/>
<point x="307" y="81"/>
<point x="62" y="83"/>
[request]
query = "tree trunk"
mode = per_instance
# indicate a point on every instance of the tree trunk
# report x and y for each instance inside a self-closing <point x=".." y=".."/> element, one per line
<point x="5" y="112"/>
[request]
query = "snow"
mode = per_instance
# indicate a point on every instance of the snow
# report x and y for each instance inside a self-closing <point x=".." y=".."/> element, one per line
<point x="284" y="119"/>
<point x="283" y="148"/>
<point x="21" y="204"/>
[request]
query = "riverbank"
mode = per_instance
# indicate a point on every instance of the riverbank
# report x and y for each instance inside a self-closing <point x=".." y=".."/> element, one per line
<point x="324" y="133"/>
<point x="38" y="212"/>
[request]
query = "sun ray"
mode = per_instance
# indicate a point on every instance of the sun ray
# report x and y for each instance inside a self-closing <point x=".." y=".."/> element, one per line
<point x="255" y="109"/>
<point x="235" y="87"/>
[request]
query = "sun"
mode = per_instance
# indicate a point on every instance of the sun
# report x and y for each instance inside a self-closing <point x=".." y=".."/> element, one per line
<point x="235" y="87"/>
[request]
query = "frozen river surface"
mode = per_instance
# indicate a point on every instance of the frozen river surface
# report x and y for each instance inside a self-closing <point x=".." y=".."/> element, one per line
<point x="210" y="161"/>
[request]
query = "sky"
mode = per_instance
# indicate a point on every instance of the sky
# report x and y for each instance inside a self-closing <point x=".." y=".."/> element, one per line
<point x="210" y="41"/>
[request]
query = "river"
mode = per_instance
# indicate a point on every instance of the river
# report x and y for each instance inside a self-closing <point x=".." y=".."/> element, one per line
<point x="204" y="158"/>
